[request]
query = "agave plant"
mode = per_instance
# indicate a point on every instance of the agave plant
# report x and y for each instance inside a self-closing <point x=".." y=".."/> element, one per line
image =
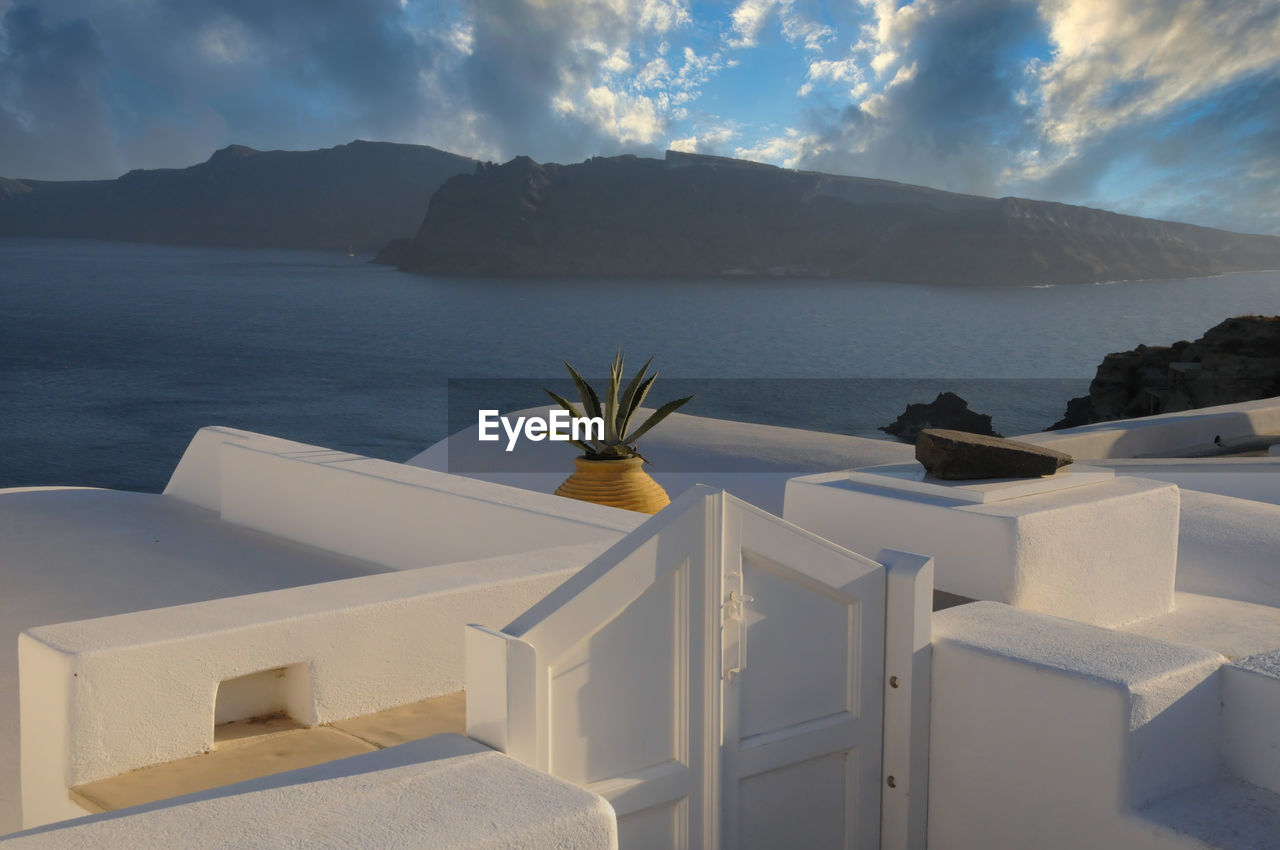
<point x="619" y="406"/>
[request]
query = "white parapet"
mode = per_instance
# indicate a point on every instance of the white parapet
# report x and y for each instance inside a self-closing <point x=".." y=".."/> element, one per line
<point x="1053" y="734"/>
<point x="100" y="697"/>
<point x="388" y="513"/>
<point x="1167" y="434"/>
<point x="1255" y="479"/>
<point x="445" y="792"/>
<point x="1103" y="553"/>
<point x="1230" y="548"/>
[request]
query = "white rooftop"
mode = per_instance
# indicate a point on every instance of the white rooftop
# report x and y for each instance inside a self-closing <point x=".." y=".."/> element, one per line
<point x="314" y="559"/>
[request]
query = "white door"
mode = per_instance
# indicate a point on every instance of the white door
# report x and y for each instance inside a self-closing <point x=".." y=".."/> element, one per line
<point x="802" y="713"/>
<point x="716" y="675"/>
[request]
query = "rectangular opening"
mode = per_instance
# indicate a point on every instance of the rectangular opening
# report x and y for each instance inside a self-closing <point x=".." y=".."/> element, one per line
<point x="279" y="691"/>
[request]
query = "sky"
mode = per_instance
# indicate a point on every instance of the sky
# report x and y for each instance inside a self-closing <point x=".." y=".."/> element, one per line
<point x="1160" y="108"/>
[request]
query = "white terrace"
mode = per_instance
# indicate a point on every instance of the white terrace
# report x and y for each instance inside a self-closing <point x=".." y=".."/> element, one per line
<point x="294" y="646"/>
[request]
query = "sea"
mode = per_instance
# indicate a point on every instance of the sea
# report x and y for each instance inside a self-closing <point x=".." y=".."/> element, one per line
<point x="112" y="355"/>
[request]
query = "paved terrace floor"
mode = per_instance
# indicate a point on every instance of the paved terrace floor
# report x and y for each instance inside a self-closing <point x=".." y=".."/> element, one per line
<point x="248" y="749"/>
<point x="72" y="554"/>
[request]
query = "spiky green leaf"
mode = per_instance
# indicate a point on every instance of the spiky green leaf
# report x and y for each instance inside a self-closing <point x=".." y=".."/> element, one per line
<point x="573" y="411"/>
<point x="627" y="404"/>
<point x="563" y="402"/>
<point x="658" y="415"/>
<point x="590" y="401"/>
<point x="611" y="423"/>
<point x="636" y="402"/>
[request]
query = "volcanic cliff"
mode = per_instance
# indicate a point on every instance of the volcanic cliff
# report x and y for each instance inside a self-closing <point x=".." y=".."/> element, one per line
<point x="358" y="195"/>
<point x="700" y="216"/>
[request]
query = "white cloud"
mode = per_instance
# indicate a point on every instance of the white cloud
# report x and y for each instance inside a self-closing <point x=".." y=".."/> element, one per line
<point x="1118" y="61"/>
<point x="711" y="140"/>
<point x="750" y="16"/>
<point x="892" y="30"/>
<point x="832" y="71"/>
<point x="798" y="30"/>
<point x="656" y="73"/>
<point x="696" y="69"/>
<point x="569" y="78"/>
<point x="749" y="20"/>
<point x="624" y="117"/>
<point x="659" y="15"/>
<point x="787" y="150"/>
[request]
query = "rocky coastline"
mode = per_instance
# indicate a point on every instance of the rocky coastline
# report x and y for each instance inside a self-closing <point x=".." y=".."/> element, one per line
<point x="1236" y="360"/>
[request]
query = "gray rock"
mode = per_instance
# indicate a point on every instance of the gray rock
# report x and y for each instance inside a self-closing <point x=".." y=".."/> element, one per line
<point x="1236" y="360"/>
<point x="948" y="411"/>
<point x="958" y="456"/>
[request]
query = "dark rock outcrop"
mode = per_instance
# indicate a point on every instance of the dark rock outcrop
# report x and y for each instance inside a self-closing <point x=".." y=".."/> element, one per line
<point x="957" y="456"/>
<point x="698" y="216"/>
<point x="1237" y="360"/>
<point x="355" y="196"/>
<point x="948" y="411"/>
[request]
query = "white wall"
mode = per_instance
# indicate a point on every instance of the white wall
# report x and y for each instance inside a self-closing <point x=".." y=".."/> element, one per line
<point x="1052" y="734"/>
<point x="1101" y="553"/>
<point x="100" y="697"/>
<point x="1167" y="434"/>
<point x="1254" y="478"/>
<point x="1251" y="719"/>
<point x="393" y="515"/>
<point x="445" y="792"/>
<point x="1229" y="548"/>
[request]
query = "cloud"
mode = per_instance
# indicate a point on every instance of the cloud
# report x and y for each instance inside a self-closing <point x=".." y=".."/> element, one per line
<point x="1160" y="107"/>
<point x="573" y="78"/>
<point x="51" y="72"/>
<point x="1164" y="108"/>
<point x="164" y="83"/>
<point x="106" y="87"/>
<point x="790" y="149"/>
<point x="749" y="18"/>
<point x="711" y="140"/>
<point x="942" y="111"/>
<point x="748" y="21"/>
<point x="847" y="70"/>
<point x="1117" y="61"/>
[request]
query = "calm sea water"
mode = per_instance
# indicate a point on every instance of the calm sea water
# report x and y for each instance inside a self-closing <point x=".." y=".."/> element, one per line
<point x="113" y="355"/>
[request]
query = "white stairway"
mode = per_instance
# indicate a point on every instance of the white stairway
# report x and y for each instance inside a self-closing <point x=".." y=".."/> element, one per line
<point x="1050" y="733"/>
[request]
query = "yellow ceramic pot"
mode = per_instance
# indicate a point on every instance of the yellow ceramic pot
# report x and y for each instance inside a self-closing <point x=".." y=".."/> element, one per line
<point x="621" y="483"/>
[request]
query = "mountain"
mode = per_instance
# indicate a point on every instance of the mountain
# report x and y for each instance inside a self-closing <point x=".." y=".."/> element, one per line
<point x="701" y="216"/>
<point x="358" y="195"/>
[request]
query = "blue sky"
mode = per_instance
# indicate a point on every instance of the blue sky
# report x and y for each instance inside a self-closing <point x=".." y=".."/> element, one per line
<point x="1161" y="108"/>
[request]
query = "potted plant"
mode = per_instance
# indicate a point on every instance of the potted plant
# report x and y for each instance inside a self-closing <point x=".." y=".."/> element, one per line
<point x="609" y="470"/>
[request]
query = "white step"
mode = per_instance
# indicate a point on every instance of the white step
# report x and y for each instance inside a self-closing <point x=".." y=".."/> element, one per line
<point x="1049" y="733"/>
<point x="1226" y="814"/>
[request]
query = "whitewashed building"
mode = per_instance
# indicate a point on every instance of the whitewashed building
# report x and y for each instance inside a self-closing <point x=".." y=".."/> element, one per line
<point x="297" y="647"/>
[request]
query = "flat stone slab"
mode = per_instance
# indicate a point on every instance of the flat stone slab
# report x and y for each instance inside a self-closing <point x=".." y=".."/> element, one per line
<point x="957" y="455"/>
<point x="248" y="749"/>
<point x="410" y="722"/>
<point x="235" y="761"/>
